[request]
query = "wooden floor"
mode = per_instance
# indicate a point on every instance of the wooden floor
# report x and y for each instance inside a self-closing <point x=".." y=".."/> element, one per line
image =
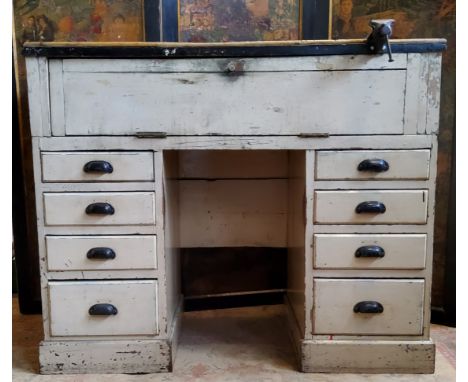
<point x="240" y="344"/>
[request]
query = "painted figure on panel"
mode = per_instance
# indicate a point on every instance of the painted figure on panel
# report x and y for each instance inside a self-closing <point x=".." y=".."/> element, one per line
<point x="238" y="20"/>
<point x="79" y="20"/>
<point x="413" y="17"/>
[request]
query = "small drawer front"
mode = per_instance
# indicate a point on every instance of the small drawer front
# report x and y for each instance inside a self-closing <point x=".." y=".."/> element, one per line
<point x="104" y="208"/>
<point x="373" y="164"/>
<point x="369" y="251"/>
<point x="371" y="207"/>
<point x="95" y="253"/>
<point x="97" y="167"/>
<point x="125" y="307"/>
<point x="352" y="306"/>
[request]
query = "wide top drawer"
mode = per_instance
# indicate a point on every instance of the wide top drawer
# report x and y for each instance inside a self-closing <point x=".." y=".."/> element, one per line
<point x="97" y="166"/>
<point x="287" y="96"/>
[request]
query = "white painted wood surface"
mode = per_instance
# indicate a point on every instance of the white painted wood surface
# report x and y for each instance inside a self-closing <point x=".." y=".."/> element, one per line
<point x="402" y="300"/>
<point x="68" y="166"/>
<point x="251" y="103"/>
<point x="233" y="164"/>
<point x="337" y="251"/>
<point x="260" y="64"/>
<point x="136" y="302"/>
<point x="359" y="356"/>
<point x="68" y="253"/>
<point x="416" y="88"/>
<point x="131" y="208"/>
<point x="169" y="187"/>
<point x="38" y="96"/>
<point x="230" y="142"/>
<point x="433" y="93"/>
<point x="241" y="209"/>
<point x="402" y="207"/>
<point x="403" y="164"/>
<point x="104" y="356"/>
<point x="296" y="219"/>
<point x="233" y="213"/>
<point x="57" y="115"/>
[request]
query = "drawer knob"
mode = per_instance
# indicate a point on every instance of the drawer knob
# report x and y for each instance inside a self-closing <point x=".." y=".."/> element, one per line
<point x="374" y="165"/>
<point x="102" y="310"/>
<point x="99" y="166"/>
<point x="368" y="307"/>
<point x="371" y="207"/>
<point x="234" y="67"/>
<point x="370" y="251"/>
<point x="100" y="209"/>
<point x="101" y="253"/>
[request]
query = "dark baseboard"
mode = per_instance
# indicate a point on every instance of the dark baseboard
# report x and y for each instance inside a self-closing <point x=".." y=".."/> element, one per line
<point x="440" y="316"/>
<point x="232" y="301"/>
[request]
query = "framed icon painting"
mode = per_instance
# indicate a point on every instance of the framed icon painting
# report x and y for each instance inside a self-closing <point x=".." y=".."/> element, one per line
<point x="244" y="20"/>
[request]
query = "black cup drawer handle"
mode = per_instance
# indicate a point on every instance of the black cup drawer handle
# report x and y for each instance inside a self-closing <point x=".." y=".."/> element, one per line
<point x="99" y="166"/>
<point x="374" y="165"/>
<point x="370" y="207"/>
<point x="100" y="209"/>
<point x="368" y="307"/>
<point x="101" y="253"/>
<point x="370" y="251"/>
<point x="103" y="310"/>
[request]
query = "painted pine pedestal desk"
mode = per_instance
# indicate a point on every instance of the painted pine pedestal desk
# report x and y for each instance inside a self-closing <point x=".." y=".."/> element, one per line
<point x="331" y="152"/>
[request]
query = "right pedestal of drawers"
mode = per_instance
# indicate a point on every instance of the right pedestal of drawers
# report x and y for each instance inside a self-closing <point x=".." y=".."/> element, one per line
<point x="371" y="243"/>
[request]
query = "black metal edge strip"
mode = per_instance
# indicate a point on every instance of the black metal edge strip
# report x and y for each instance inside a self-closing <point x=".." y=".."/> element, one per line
<point x="170" y="20"/>
<point x="315" y="19"/>
<point x="152" y="20"/>
<point x="223" y="51"/>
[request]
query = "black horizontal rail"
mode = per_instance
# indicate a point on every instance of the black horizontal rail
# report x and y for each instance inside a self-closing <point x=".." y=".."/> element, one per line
<point x="327" y="48"/>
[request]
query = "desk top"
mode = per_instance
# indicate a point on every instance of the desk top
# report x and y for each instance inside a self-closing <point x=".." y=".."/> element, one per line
<point x="233" y="49"/>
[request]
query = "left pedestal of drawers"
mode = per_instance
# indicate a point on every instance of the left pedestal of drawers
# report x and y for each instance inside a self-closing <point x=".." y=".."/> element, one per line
<point x="101" y="245"/>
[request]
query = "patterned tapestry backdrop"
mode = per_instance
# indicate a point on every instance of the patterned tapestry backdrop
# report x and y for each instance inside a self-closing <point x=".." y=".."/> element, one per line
<point x="416" y="19"/>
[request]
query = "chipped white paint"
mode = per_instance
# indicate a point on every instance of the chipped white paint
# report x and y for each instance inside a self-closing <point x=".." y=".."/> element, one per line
<point x="136" y="303"/>
<point x="400" y="251"/>
<point x="238" y="143"/>
<point x="402" y="207"/>
<point x="68" y="253"/>
<point x="360" y="356"/>
<point x="38" y="96"/>
<point x="98" y="357"/>
<point x="68" y="167"/>
<point x="334" y="300"/>
<point x="296" y="237"/>
<point x="233" y="213"/>
<point x="215" y="103"/>
<point x="403" y="164"/>
<point x="190" y="65"/>
<point x="131" y="208"/>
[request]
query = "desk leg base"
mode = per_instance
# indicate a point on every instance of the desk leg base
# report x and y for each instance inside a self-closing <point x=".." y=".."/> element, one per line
<point x="111" y="356"/>
<point x="377" y="356"/>
<point x="99" y="357"/>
